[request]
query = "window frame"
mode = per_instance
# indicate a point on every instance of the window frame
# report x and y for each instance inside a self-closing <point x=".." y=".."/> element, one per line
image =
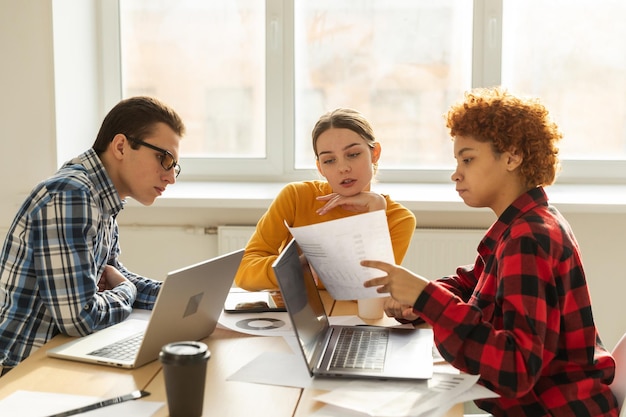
<point x="279" y="163"/>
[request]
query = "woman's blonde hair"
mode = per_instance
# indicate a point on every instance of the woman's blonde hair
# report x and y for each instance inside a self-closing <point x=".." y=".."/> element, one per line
<point x="343" y="118"/>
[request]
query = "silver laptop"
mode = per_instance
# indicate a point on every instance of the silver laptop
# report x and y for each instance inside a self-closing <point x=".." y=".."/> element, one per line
<point x="348" y="351"/>
<point x="188" y="307"/>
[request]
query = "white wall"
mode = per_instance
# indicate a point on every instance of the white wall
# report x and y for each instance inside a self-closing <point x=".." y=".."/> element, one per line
<point x="27" y="117"/>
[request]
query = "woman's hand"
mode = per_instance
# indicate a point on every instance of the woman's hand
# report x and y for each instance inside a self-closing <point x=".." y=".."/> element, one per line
<point x="399" y="311"/>
<point x="403" y="285"/>
<point x="363" y="202"/>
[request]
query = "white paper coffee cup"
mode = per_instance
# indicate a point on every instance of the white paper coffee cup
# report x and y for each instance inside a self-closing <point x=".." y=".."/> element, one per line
<point x="371" y="308"/>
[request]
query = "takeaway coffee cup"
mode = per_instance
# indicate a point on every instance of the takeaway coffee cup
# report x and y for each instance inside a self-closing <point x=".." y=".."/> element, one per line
<point x="371" y="308"/>
<point x="184" y="370"/>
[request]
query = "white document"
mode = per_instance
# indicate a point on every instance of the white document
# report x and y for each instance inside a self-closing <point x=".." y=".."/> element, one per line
<point x="39" y="404"/>
<point x="335" y="249"/>
<point x="400" y="399"/>
<point x="474" y="393"/>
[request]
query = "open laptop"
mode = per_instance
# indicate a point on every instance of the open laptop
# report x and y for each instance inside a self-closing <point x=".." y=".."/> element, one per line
<point x="188" y="307"/>
<point x="399" y="353"/>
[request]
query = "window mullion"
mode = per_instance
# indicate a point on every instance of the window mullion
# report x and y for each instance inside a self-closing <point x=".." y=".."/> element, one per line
<point x="288" y="113"/>
<point x="487" y="48"/>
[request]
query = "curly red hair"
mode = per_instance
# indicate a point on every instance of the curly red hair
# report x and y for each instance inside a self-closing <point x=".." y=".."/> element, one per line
<point x="510" y="123"/>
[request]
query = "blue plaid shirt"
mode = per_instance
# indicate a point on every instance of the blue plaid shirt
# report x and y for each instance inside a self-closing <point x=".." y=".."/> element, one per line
<point x="56" y="249"/>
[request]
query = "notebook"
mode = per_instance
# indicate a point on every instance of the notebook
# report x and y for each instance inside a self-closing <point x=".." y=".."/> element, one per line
<point x="188" y="307"/>
<point x="397" y="353"/>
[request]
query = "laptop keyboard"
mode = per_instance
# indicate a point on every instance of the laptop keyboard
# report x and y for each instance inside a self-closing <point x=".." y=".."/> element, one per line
<point x="360" y="349"/>
<point x="124" y="349"/>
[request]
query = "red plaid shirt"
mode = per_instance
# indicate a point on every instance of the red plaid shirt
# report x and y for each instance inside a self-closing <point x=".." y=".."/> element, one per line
<point x="521" y="318"/>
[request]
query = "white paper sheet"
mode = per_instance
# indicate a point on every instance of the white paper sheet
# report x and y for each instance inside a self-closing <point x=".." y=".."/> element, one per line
<point x="39" y="404"/>
<point x="401" y="398"/>
<point x="275" y="368"/>
<point x="335" y="249"/>
<point x="473" y="393"/>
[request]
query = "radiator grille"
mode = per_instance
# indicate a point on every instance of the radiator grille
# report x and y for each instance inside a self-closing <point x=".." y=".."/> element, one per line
<point x="230" y="238"/>
<point x="433" y="253"/>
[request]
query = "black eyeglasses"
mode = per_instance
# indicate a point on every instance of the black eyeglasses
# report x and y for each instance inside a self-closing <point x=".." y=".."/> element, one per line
<point x="167" y="159"/>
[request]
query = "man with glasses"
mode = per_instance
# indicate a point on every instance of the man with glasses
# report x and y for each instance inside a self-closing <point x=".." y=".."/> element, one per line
<point x="59" y="266"/>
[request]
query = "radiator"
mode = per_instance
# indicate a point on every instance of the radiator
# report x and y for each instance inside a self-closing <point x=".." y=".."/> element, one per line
<point x="433" y="253"/>
<point x="230" y="238"/>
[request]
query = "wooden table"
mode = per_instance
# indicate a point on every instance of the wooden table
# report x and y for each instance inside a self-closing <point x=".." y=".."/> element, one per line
<point x="230" y="351"/>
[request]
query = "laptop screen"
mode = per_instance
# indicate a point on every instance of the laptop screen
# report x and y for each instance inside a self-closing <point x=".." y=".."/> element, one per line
<point x="303" y="303"/>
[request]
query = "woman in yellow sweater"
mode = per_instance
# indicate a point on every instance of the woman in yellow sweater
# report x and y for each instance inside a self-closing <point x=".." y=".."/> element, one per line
<point x="346" y="154"/>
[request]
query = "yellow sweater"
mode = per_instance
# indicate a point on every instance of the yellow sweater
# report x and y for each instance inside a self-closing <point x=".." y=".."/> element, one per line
<point x="296" y="204"/>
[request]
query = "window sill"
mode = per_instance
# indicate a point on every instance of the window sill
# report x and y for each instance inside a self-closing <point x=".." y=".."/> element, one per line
<point x="416" y="197"/>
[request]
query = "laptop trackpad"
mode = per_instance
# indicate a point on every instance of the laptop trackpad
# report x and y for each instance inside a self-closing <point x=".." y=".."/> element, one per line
<point x="83" y="345"/>
<point x="410" y="354"/>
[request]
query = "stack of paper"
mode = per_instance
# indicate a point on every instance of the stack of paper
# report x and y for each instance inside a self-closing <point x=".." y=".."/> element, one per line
<point x="402" y="399"/>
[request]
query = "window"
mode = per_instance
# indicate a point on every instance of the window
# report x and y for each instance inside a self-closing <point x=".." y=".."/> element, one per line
<point x="207" y="59"/>
<point x="572" y="55"/>
<point x="251" y="77"/>
<point x="398" y="62"/>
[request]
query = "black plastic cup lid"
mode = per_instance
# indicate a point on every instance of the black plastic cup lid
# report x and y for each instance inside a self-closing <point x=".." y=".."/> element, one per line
<point x="188" y="351"/>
